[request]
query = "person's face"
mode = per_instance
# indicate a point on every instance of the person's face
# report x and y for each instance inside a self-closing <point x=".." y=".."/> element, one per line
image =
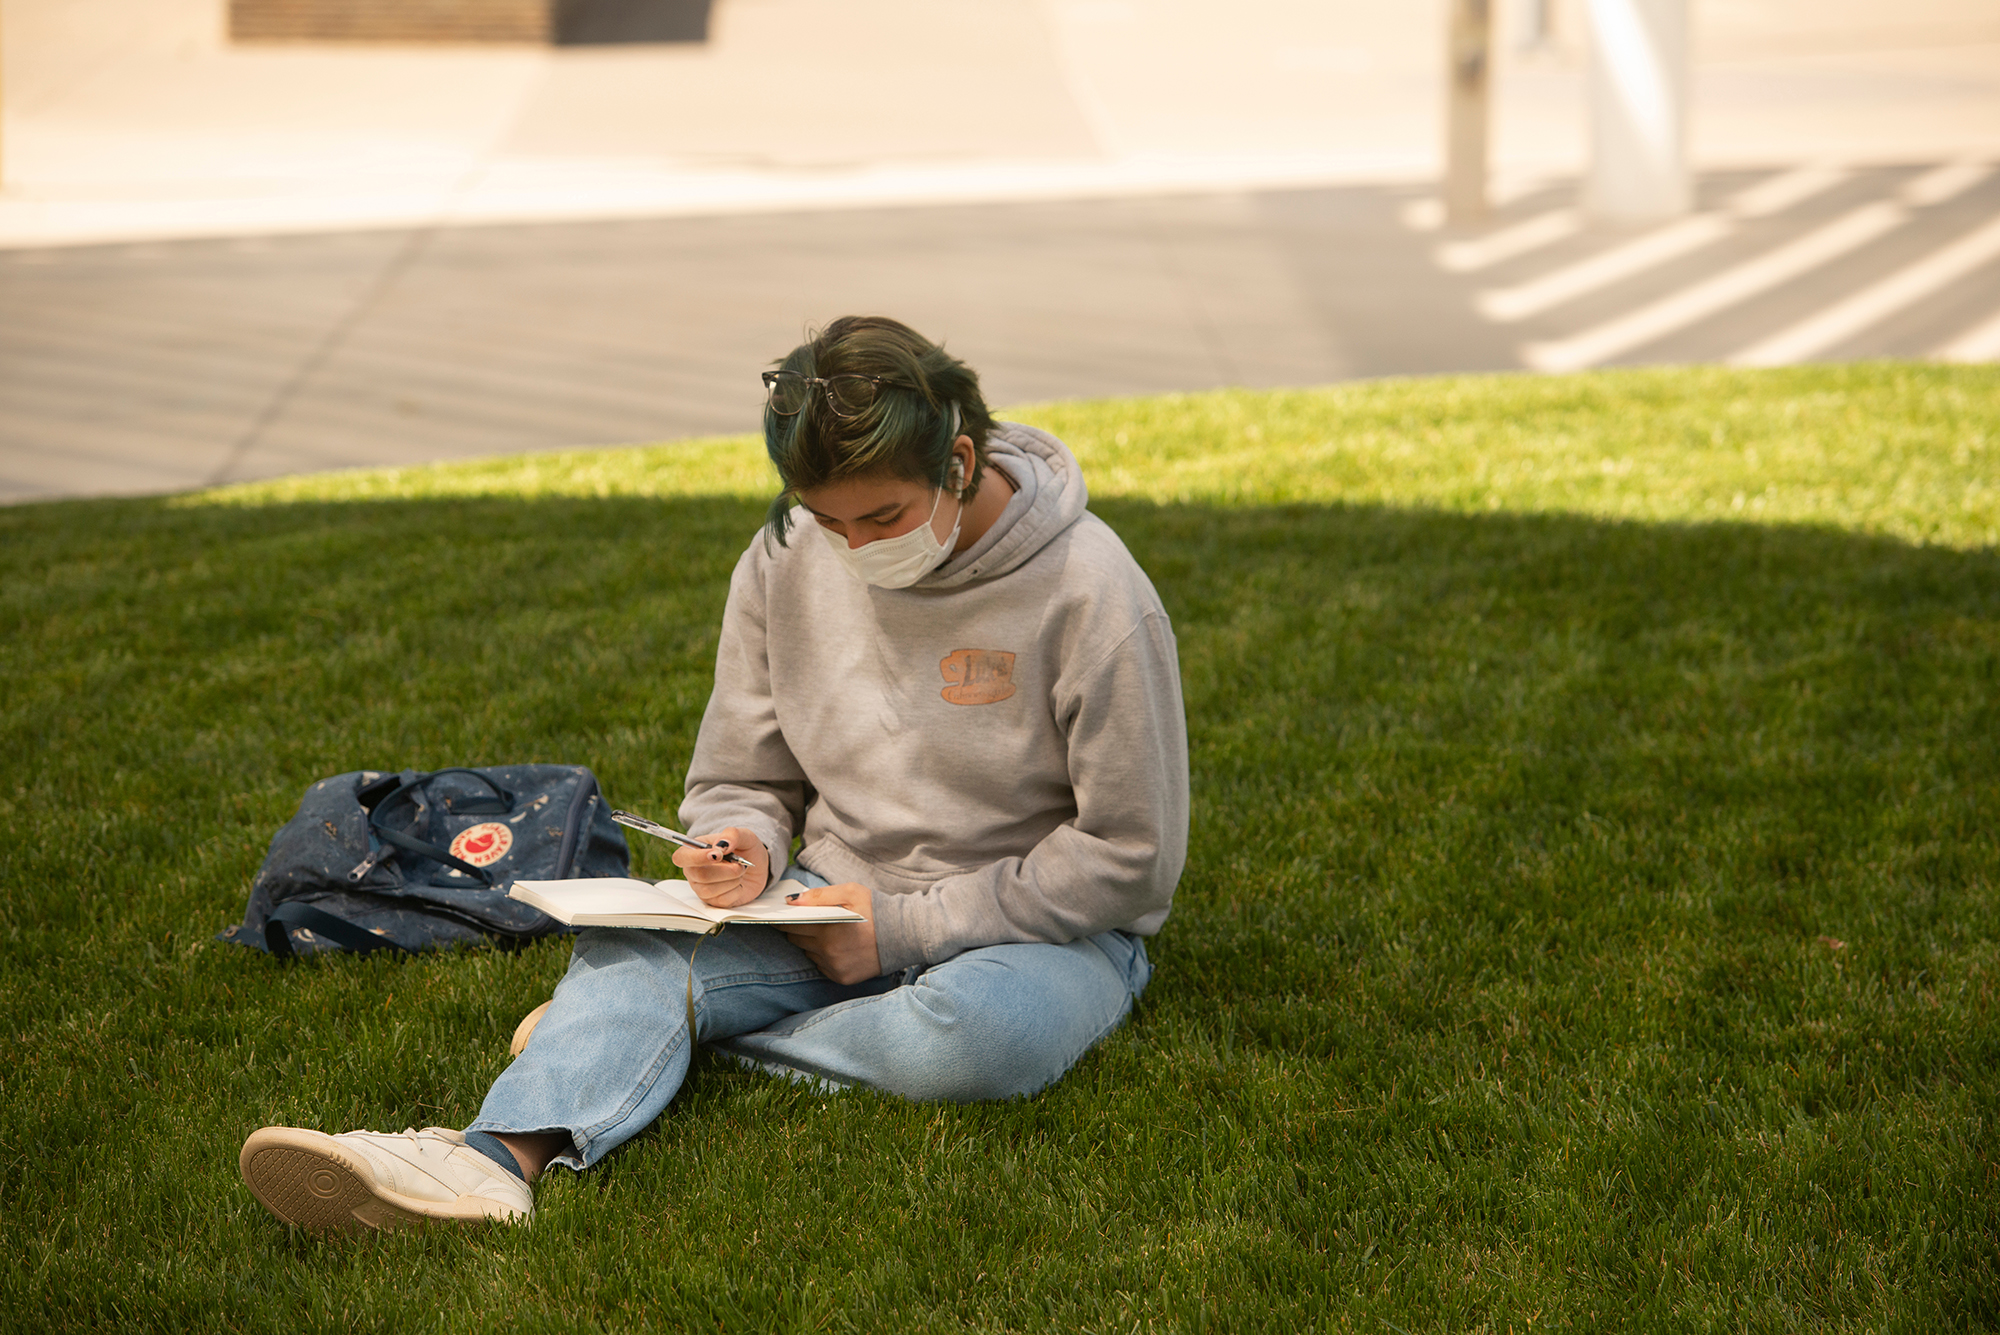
<point x="881" y="505"/>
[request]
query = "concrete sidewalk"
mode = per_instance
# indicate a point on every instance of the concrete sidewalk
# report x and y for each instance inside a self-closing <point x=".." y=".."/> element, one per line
<point x="163" y="366"/>
<point x="221" y="264"/>
<point x="134" y="120"/>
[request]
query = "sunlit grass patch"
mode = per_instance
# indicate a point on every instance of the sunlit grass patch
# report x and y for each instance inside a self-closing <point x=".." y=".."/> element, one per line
<point x="1907" y="451"/>
<point x="714" y="466"/>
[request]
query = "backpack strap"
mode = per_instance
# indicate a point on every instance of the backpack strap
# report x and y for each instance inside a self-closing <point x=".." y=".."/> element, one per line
<point x="409" y="783"/>
<point x="346" y="935"/>
<point x="580" y="812"/>
<point x="397" y="839"/>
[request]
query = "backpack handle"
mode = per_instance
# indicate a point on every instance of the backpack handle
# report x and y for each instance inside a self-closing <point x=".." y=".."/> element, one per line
<point x="411" y="844"/>
<point x="392" y="786"/>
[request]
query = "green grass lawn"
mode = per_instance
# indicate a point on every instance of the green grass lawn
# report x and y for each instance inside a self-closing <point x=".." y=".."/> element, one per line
<point x="1591" y="919"/>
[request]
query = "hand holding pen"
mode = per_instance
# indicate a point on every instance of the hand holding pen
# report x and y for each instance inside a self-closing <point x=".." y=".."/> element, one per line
<point x="733" y="869"/>
<point x="674" y="836"/>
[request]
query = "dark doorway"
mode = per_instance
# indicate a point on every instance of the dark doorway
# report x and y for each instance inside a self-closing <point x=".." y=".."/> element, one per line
<point x="612" y="22"/>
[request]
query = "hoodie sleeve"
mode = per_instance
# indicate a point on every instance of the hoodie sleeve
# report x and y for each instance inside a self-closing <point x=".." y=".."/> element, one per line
<point x="1115" y="864"/>
<point x="742" y="772"/>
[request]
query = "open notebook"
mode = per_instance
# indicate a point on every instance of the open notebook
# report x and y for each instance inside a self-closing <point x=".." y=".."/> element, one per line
<point x="616" y="901"/>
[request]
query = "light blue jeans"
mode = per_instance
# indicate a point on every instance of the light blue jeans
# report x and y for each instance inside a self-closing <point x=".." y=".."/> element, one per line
<point x="614" y="1047"/>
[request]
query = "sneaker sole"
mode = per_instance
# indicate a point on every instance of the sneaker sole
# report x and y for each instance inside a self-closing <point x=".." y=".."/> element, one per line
<point x="305" y="1178"/>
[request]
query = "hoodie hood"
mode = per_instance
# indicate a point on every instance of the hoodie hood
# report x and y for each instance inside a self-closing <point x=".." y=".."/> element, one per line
<point x="1049" y="497"/>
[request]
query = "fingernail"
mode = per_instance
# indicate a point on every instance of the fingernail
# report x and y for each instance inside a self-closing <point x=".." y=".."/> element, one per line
<point x="722" y="843"/>
<point x="790" y="898"/>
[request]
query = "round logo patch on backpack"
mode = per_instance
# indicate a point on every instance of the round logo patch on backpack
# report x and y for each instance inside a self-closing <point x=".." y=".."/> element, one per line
<point x="483" y="845"/>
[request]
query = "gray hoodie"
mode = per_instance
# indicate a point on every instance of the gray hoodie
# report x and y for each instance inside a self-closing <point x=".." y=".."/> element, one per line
<point x="998" y="752"/>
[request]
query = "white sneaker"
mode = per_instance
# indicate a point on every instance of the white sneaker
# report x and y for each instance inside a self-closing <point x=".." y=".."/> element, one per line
<point x="369" y="1179"/>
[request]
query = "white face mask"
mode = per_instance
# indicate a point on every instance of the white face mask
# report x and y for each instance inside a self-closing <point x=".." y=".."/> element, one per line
<point x="898" y="562"/>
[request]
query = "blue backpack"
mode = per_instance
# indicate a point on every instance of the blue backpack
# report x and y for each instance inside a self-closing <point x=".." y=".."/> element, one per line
<point x="415" y="861"/>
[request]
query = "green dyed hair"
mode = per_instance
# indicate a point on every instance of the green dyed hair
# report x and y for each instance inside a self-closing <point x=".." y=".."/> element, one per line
<point x="906" y="433"/>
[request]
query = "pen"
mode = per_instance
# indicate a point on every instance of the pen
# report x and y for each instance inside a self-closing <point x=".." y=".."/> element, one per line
<point x="674" y="836"/>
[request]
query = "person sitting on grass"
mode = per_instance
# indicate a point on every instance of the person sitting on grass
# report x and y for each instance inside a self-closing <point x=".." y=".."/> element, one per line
<point x="965" y="700"/>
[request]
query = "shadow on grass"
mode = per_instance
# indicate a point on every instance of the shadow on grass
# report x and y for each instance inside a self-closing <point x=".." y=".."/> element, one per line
<point x="1532" y="846"/>
<point x="1393" y="699"/>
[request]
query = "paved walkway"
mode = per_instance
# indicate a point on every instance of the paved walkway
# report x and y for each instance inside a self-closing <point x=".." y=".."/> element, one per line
<point x="219" y="264"/>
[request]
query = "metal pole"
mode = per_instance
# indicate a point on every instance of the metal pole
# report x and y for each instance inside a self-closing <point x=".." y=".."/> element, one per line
<point x="1638" y="109"/>
<point x="1469" y="59"/>
<point x="1538" y="27"/>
